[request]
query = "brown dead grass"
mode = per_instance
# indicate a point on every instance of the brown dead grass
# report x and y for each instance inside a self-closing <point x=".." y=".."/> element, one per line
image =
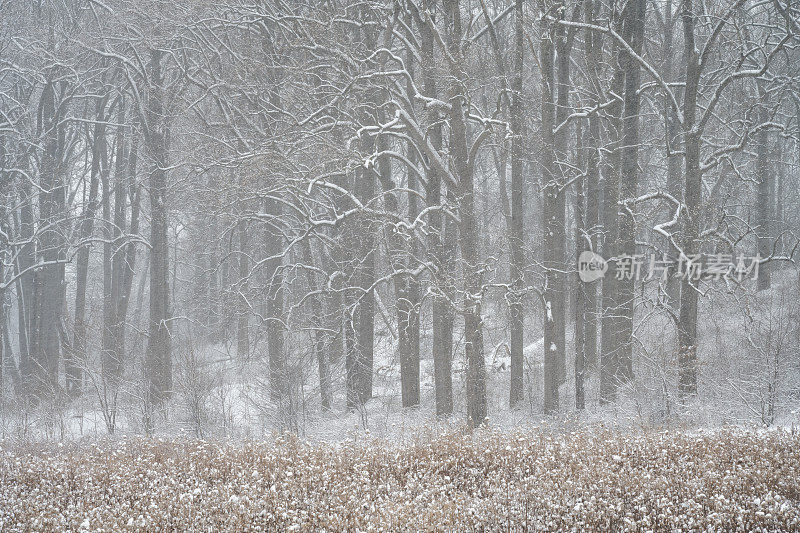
<point x="494" y="481"/>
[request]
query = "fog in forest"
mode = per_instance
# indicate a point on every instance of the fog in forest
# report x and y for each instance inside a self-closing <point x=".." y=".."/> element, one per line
<point x="452" y="225"/>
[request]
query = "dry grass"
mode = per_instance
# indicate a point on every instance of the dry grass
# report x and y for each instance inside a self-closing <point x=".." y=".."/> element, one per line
<point x="484" y="481"/>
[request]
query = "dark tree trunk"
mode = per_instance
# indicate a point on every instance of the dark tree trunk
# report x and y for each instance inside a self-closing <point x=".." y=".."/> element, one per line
<point x="441" y="254"/>
<point x="581" y="300"/>
<point x="74" y="364"/>
<point x="353" y="397"/>
<point x="563" y="46"/>
<point x="629" y="181"/>
<point x="112" y="271"/>
<point x="777" y="190"/>
<point x="554" y="111"/>
<point x="412" y="383"/>
<point x="49" y="279"/>
<point x="26" y="293"/>
<point x="128" y="267"/>
<point x="672" y="132"/>
<point x="323" y="366"/>
<point x="214" y="264"/>
<point x="610" y="341"/>
<point x="279" y="386"/>
<point x="687" y="320"/>
<point x="242" y="314"/>
<point x="551" y="227"/>
<point x="763" y="198"/>
<point x="413" y="312"/>
<point x="468" y="228"/>
<point x="159" y="353"/>
<point x="516" y="233"/>
<point x="407" y="310"/>
<point x="3" y="325"/>
<point x="5" y="236"/>
<point x="588" y="214"/>
<point x="365" y="320"/>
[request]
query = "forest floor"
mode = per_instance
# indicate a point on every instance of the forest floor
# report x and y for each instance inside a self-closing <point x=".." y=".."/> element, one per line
<point x="458" y="481"/>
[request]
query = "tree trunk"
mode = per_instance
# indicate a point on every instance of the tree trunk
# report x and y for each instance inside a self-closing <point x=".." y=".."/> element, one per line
<point x="588" y="211"/>
<point x="687" y="319"/>
<point x="516" y="234"/>
<point x="554" y="207"/>
<point x="26" y="293"/>
<point x="113" y="342"/>
<point x="563" y="45"/>
<point x="5" y="233"/>
<point x="214" y="264"/>
<point x="672" y="132"/>
<point x="610" y="341"/>
<point x="763" y="198"/>
<point x="629" y="181"/>
<point x="3" y="324"/>
<point x="129" y="262"/>
<point x="73" y="366"/>
<point x="279" y="386"/>
<point x="365" y="320"/>
<point x="414" y="252"/>
<point x="581" y="300"/>
<point x="159" y="354"/>
<point x="549" y="219"/>
<point x="353" y="398"/>
<point x="468" y="228"/>
<point x="243" y="314"/>
<point x="442" y="310"/>
<point x="398" y="252"/>
<point x="323" y="366"/>
<point x="777" y="192"/>
<point x="49" y="279"/>
<point x="113" y="231"/>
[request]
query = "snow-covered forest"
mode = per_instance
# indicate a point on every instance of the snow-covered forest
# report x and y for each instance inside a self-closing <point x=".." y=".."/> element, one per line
<point x="368" y="218"/>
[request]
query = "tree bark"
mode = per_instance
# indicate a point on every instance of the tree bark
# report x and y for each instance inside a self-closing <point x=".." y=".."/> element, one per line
<point x="687" y="319"/>
<point x="468" y="227"/>
<point x="129" y="262"/>
<point x="49" y="279"/>
<point x="365" y="320"/>
<point x="242" y="314"/>
<point x="5" y="249"/>
<point x="672" y="132"/>
<point x="398" y="252"/>
<point x="279" y="386"/>
<point x="563" y="47"/>
<point x="441" y="254"/>
<point x="73" y="366"/>
<point x="26" y="293"/>
<point x="551" y="229"/>
<point x="323" y="366"/>
<point x="610" y="342"/>
<point x="159" y="353"/>
<point x="113" y="230"/>
<point x="629" y="184"/>
<point x="581" y="300"/>
<point x="554" y="111"/>
<point x="414" y="252"/>
<point x="588" y="213"/>
<point x="517" y="232"/>
<point x="763" y="197"/>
